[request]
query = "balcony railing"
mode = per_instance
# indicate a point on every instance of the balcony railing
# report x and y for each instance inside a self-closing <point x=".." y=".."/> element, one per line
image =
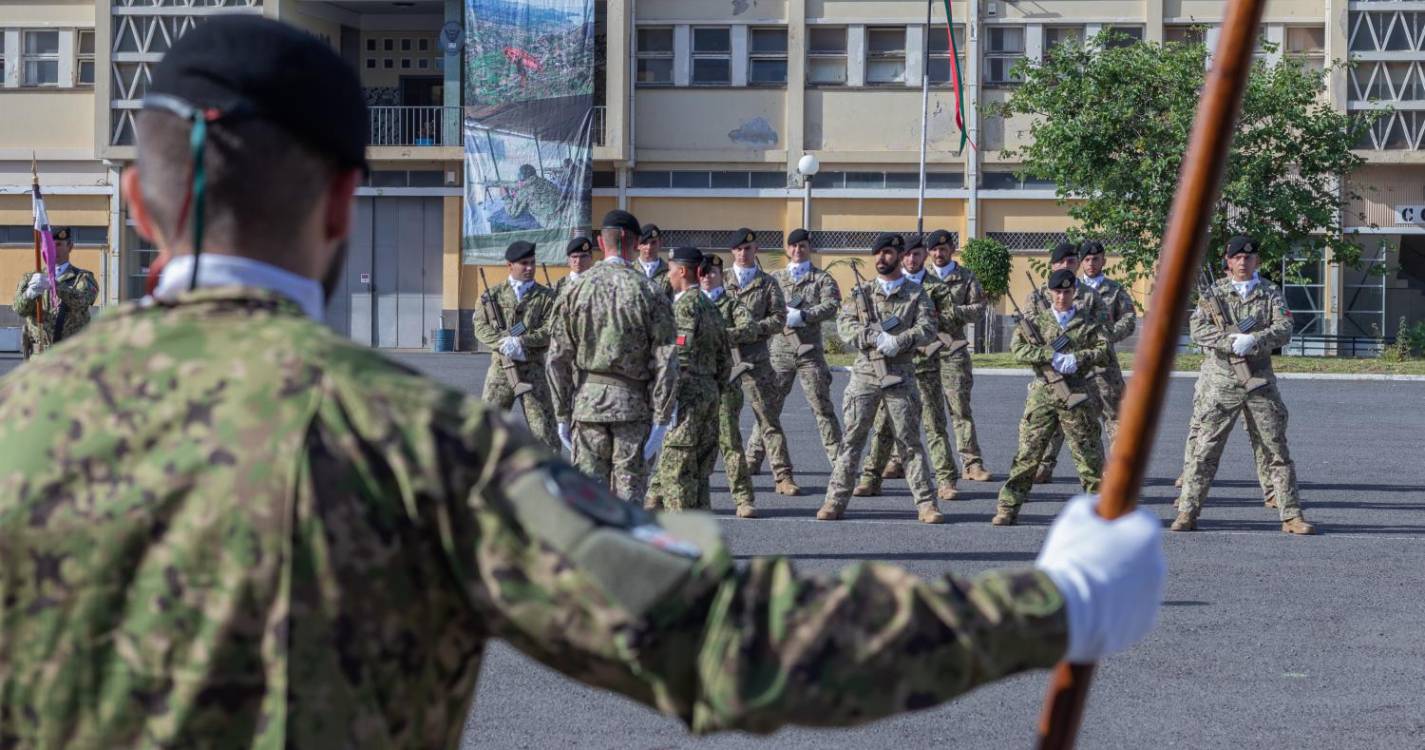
<point x="414" y="126"/>
<point x="600" y="122"/>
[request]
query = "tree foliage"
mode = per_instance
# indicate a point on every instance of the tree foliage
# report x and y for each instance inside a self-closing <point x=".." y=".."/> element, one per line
<point x="989" y="260"/>
<point x="1110" y="125"/>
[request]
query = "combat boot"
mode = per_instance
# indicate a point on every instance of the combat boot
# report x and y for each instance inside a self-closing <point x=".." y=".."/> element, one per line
<point x="894" y="470"/>
<point x="867" y="488"/>
<point x="1005" y="517"/>
<point x="830" y="512"/>
<point x="1044" y="475"/>
<point x="746" y="511"/>
<point x="1298" y="525"/>
<point x="947" y="491"/>
<point x="928" y="513"/>
<point x="1184" y="522"/>
<point x="1270" y="500"/>
<point x="976" y="473"/>
<point x="786" y="486"/>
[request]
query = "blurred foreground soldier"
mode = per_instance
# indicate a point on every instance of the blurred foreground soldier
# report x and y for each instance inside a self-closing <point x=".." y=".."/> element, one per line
<point x="741" y="329"/>
<point x="680" y="481"/>
<point x="1262" y="322"/>
<point x="612" y="366"/>
<point x="1065" y="256"/>
<point x="282" y="539"/>
<point x="885" y="318"/>
<point x="76" y="291"/>
<point x="527" y="309"/>
<point x="579" y="253"/>
<point x="650" y="241"/>
<point x="812" y="298"/>
<point x="1072" y="344"/>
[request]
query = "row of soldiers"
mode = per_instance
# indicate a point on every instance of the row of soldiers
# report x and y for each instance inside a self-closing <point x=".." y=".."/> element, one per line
<point x="618" y="366"/>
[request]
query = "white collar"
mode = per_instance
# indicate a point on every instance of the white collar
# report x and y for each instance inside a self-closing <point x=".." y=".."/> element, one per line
<point x="679" y="295"/>
<point x="61" y="269"/>
<point x="1063" y="318"/>
<point x="942" y="271"/>
<point x="744" y="275"/>
<point x="649" y="266"/>
<point x="714" y="294"/>
<point x="520" y="287"/>
<point x="918" y="277"/>
<point x="1244" y="288"/>
<point x="889" y="287"/>
<point x="1093" y="281"/>
<point x="573" y="274"/>
<point x="798" y="270"/>
<point x="231" y="270"/>
<point x="616" y="260"/>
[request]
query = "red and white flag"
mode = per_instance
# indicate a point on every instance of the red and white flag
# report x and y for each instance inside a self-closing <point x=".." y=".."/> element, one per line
<point x="47" y="249"/>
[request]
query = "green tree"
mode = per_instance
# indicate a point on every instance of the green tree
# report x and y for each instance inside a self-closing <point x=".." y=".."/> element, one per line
<point x="989" y="260"/>
<point x="1110" y="123"/>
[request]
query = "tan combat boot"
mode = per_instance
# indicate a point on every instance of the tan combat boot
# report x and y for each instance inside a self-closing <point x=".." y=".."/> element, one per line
<point x="947" y="491"/>
<point x="867" y="488"/>
<point x="894" y="470"/>
<point x="787" y="486"/>
<point x="1005" y="517"/>
<point x="976" y="473"/>
<point x="928" y="513"/>
<point x="1184" y="522"/>
<point x="746" y="511"/>
<point x="829" y="512"/>
<point x="1045" y="475"/>
<point x="1298" y="525"/>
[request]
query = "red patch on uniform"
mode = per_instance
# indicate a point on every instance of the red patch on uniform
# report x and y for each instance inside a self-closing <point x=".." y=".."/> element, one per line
<point x="682" y="340"/>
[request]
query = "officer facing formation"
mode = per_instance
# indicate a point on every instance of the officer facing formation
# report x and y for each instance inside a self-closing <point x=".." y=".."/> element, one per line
<point x="579" y="255"/>
<point x="527" y="309"/>
<point x="52" y="318"/>
<point x="650" y="242"/>
<point x="741" y="329"/>
<point x="283" y="539"/>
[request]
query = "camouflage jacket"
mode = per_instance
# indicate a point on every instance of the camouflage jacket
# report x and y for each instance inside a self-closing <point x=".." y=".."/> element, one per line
<point x="77" y="290"/>
<point x="536" y="311"/>
<point x="224" y="526"/>
<point x="704" y="351"/>
<point x="1265" y="307"/>
<point x="1086" y="299"/>
<point x="537" y="196"/>
<point x="613" y="323"/>
<point x="659" y="277"/>
<point x="1122" y="313"/>
<point x="908" y="307"/>
<point x="819" y="299"/>
<point x="1085" y="341"/>
<point x="763" y="298"/>
<point x="962" y="301"/>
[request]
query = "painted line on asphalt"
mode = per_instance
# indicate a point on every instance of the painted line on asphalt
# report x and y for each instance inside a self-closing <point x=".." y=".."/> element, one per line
<point x="1199" y="532"/>
<point x="1193" y="375"/>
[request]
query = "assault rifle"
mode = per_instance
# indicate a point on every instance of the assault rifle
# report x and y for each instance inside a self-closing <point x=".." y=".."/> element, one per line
<point x="796" y="301"/>
<point x="1049" y="374"/>
<point x="1221" y="315"/>
<point x="494" y="314"/>
<point x="871" y="322"/>
<point x="544" y="268"/>
<point x="1043" y="302"/>
<point x="945" y="340"/>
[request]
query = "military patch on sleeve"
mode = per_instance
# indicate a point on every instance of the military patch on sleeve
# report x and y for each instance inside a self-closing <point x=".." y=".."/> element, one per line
<point x="890" y="324"/>
<point x="583" y="495"/>
<point x="795" y="301"/>
<point x="684" y="338"/>
<point x="1060" y="344"/>
<point x="1246" y="324"/>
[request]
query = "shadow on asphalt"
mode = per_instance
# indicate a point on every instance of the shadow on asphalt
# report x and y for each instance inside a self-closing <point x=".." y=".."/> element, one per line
<point x="906" y="556"/>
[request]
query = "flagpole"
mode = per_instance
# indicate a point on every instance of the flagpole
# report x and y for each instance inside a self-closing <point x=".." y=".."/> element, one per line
<point x="924" y="115"/>
<point x="35" y="193"/>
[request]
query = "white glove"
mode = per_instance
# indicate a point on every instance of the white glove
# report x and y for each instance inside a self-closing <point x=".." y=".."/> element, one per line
<point x="886" y="344"/>
<point x="512" y="347"/>
<point x="1243" y="343"/>
<point x="655" y="441"/>
<point x="565" y="436"/>
<point x="38" y="284"/>
<point x="794" y="318"/>
<point x="1110" y="574"/>
<point x="1065" y="363"/>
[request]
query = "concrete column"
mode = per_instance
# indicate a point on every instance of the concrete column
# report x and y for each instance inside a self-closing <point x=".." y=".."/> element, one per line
<point x="1091" y="29"/>
<point x="1153" y="21"/>
<point x="915" y="41"/>
<point x="12" y="58"/>
<point x="856" y="55"/>
<point x="1209" y="38"/>
<point x="739" y="54"/>
<point x="1034" y="42"/>
<point x="66" y="59"/>
<point x="1337" y="20"/>
<point x="453" y="96"/>
<point x="618" y="76"/>
<point x="112" y="279"/>
<point x="682" y="56"/>
<point x="794" y="124"/>
<point x="1276" y="34"/>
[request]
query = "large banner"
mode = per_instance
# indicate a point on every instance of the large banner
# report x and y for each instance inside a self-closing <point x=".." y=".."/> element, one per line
<point x="529" y="92"/>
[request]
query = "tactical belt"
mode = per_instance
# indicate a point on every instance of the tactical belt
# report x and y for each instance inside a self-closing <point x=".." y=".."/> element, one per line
<point x="608" y="378"/>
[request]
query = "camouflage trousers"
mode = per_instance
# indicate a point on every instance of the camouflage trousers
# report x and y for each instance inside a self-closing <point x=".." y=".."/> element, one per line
<point x="761" y="390"/>
<point x="729" y="439"/>
<point x="1044" y="413"/>
<point x="538" y="405"/>
<point x="1108" y="384"/>
<point x="932" y="417"/>
<point x="680" y="480"/>
<point x="862" y="400"/>
<point x="1220" y="406"/>
<point x="612" y="453"/>
<point x="1259" y="455"/>
<point x="815" y="377"/>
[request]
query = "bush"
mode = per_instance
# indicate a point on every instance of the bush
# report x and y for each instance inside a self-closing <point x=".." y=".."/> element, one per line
<point x="1409" y="343"/>
<point x="989" y="260"/>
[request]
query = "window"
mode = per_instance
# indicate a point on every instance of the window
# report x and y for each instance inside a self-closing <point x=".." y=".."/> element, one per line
<point x="712" y="56"/>
<point x="655" y="56"/>
<point x="40" y="63"/>
<point x="405" y="45"/>
<point x="1057" y="35"/>
<point x="1005" y="48"/>
<point x="885" y="56"/>
<point x="1185" y="34"/>
<point x="1307" y="45"/>
<point x="940" y="54"/>
<point x="84" y="59"/>
<point x="826" y="56"/>
<point x="370" y="45"/>
<point x="1122" y="36"/>
<point x="767" y="59"/>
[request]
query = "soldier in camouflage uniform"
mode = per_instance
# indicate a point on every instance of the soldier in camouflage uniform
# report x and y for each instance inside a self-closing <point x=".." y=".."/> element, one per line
<point x="580" y="254"/>
<point x="762" y="296"/>
<point x="224" y="525"/>
<point x="903" y="319"/>
<point x="741" y="329"/>
<point x="650" y="242"/>
<point x="1262" y="323"/>
<point x="75" y="291"/>
<point x="536" y="196"/>
<point x="812" y="298"/>
<point x="1074" y="344"/>
<point x="680" y="481"/>
<point x="1259" y="455"/>
<point x="528" y="307"/>
<point x="612" y="366"/>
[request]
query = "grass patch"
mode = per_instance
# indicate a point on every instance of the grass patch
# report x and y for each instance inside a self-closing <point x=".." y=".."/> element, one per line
<point x="1191" y="363"/>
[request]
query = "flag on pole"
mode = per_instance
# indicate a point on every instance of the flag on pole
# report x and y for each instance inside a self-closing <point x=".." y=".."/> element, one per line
<point x="46" y="241"/>
<point x="955" y="80"/>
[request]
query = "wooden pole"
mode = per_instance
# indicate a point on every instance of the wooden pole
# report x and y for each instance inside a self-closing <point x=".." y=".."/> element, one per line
<point x="1199" y="186"/>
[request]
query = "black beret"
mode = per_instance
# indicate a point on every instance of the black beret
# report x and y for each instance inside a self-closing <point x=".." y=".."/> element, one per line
<point x="624" y="220"/>
<point x="579" y="245"/>
<point x="60" y="234"/>
<point x="742" y="237"/>
<point x="915" y="242"/>
<point x="1062" y="279"/>
<point x="233" y="66"/>
<point x="1090" y="247"/>
<point x="1241" y="244"/>
<point x="650" y="232"/>
<point x="519" y="250"/>
<point x="712" y="261"/>
<point x="888" y="239"/>
<point x="686" y="254"/>
<point x="1063" y="250"/>
<point x="939" y="237"/>
<point x="798" y="235"/>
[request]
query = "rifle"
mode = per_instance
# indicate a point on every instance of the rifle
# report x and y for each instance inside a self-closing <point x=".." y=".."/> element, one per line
<point x="544" y="268"/>
<point x="494" y="314"/>
<point x="866" y="314"/>
<point x="1049" y="374"/>
<point x="796" y="301"/>
<point x="1221" y="315"/>
<point x="943" y="340"/>
<point x="1044" y="303"/>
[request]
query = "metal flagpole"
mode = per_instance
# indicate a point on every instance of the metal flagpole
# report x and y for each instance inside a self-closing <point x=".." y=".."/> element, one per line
<point x="924" y="115"/>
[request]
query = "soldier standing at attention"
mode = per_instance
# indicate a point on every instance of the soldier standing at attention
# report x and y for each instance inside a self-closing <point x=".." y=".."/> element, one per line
<point x="812" y="298"/>
<point x="650" y="241"/>
<point x="528" y="309"/>
<point x="76" y="291"/>
<point x="332" y="577"/>
<point x="902" y="319"/>
<point x="612" y="366"/>
<point x="1073" y="344"/>
<point x="762" y="296"/>
<point x="579" y="253"/>
<point x="741" y="329"/>
<point x="958" y="306"/>
<point x="1263" y="323"/>
<point x="1065" y="256"/>
<point x="680" y="481"/>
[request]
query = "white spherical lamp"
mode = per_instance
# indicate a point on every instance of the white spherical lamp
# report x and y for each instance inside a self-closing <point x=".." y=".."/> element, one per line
<point x="808" y="165"/>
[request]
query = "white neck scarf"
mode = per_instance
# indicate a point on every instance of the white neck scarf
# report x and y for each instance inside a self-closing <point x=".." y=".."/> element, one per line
<point x="889" y="287"/>
<point x="230" y="270"/>
<point x="713" y="294"/>
<point x="1063" y="318"/>
<point x="521" y="288"/>
<point x="744" y="275"/>
<point x="1244" y="288"/>
<point x="799" y="271"/>
<point x="649" y="266"/>
<point x="942" y="271"/>
<point x="918" y="278"/>
<point x="1093" y="281"/>
<point x="616" y="260"/>
<point x="679" y="295"/>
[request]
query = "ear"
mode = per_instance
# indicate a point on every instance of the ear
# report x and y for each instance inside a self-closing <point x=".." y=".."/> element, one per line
<point x="133" y="196"/>
<point x="339" y="204"/>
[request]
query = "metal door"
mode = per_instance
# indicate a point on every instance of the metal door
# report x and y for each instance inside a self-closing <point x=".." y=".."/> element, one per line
<point x="390" y="294"/>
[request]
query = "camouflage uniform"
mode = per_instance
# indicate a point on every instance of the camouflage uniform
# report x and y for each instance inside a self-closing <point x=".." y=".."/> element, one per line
<point x="536" y="312"/>
<point x="762" y="297"/>
<point x="680" y="481"/>
<point x="1107" y="380"/>
<point x="1223" y="398"/>
<point x="223" y="525"/>
<point x="1044" y="412"/>
<point x="1259" y="456"/>
<point x="741" y="329"/>
<point x="1086" y="298"/>
<point x="76" y="289"/>
<point x="820" y="298"/>
<point x="539" y="197"/>
<point x="613" y="372"/>
<point x="659" y="277"/>
<point x="864" y="394"/>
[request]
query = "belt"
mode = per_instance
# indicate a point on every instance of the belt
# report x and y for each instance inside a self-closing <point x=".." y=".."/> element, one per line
<point x="609" y="378"/>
